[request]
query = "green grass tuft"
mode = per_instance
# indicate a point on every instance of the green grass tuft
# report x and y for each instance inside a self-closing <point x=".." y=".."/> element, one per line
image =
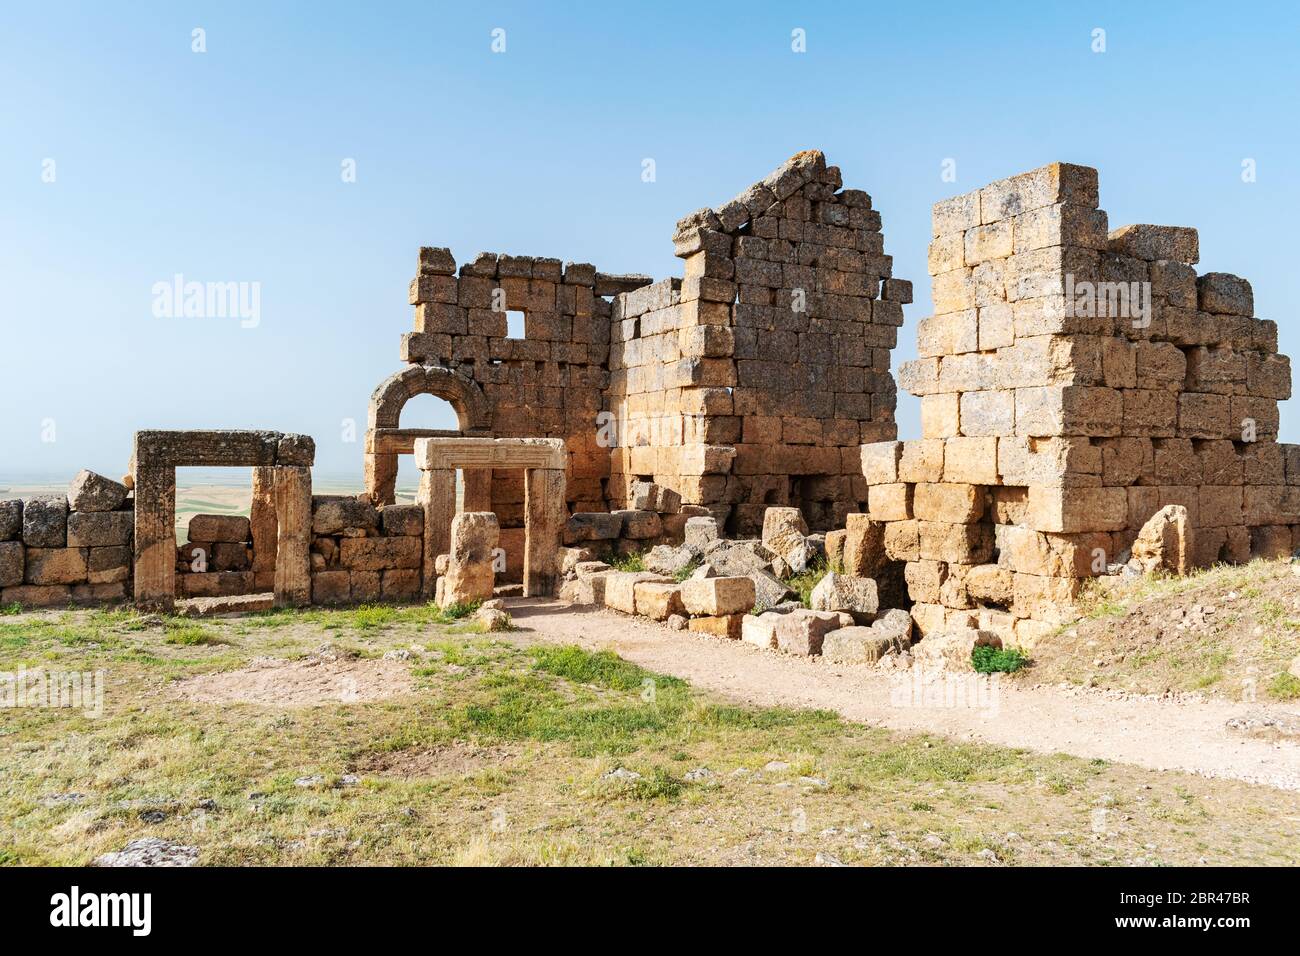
<point x="994" y="660"/>
<point x="1284" y="686"/>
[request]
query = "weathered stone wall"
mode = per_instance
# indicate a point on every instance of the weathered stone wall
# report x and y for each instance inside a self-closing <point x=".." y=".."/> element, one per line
<point x="361" y="553"/>
<point x="753" y="380"/>
<point x="548" y="384"/>
<point x="73" y="549"/>
<point x="1073" y="382"/>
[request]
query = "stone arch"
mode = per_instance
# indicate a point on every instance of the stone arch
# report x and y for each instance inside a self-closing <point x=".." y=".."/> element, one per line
<point x="473" y="410"/>
<point x="386" y="439"/>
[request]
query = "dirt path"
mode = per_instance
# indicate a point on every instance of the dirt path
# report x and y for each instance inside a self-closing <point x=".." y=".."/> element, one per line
<point x="1158" y="734"/>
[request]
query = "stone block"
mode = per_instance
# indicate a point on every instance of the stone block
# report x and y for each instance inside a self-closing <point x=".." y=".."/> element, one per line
<point x="213" y="528"/>
<point x="592" y="526"/>
<point x="92" y="492"/>
<point x="333" y="514"/>
<point x="12" y="563"/>
<point x="950" y="502"/>
<point x="620" y="588"/>
<point x="802" y="630"/>
<point x="381" y="554"/>
<point x="11" y="519"/>
<point x="719" y="596"/>
<point x="639" y="525"/>
<point x="45" y="522"/>
<point x="47" y="566"/>
<point x="1223" y="294"/>
<point x="402" y="520"/>
<point x="100" y="529"/>
<point x="842" y="592"/>
<point x="657" y="600"/>
<point x="730" y="626"/>
<point x="331" y="587"/>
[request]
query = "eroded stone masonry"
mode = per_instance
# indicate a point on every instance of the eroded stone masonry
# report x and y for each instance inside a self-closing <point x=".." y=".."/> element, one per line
<point x="1091" y="407"/>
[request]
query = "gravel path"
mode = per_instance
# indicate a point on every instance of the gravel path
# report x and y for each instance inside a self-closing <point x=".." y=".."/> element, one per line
<point x="1161" y="734"/>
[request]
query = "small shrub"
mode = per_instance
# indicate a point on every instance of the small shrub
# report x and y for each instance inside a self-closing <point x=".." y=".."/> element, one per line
<point x="994" y="660"/>
<point x="455" y="612"/>
<point x="687" y="571"/>
<point x="627" y="562"/>
<point x="1284" y="686"/>
<point x="14" y="608"/>
<point x="803" y="583"/>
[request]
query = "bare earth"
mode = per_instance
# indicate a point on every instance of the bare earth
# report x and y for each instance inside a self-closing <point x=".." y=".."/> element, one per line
<point x="1161" y="734"/>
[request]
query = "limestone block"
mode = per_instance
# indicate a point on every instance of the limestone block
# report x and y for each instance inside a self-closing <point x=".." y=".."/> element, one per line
<point x="861" y="645"/>
<point x="984" y="414"/>
<point x="332" y="514"/>
<point x="229" y="556"/>
<point x="864" y="544"/>
<point x="656" y="600"/>
<point x="402" y="520"/>
<point x="1077" y="509"/>
<point x="921" y="461"/>
<point x="379" y="554"/>
<point x="902" y="540"/>
<point x="1223" y="294"/>
<point x="12" y="563"/>
<point x="730" y="626"/>
<point x="33" y="595"/>
<point x="108" y="565"/>
<point x="760" y="629"/>
<point x="718" y="596"/>
<point x="47" y="566"/>
<point x="952" y="650"/>
<point x="954" y="503"/>
<point x="592" y="526"/>
<point x="891" y="502"/>
<point x="880" y="462"/>
<point x="100" y="529"/>
<point x="639" y="525"/>
<point x="620" y="588"/>
<point x="1179" y="244"/>
<point x="215" y="583"/>
<point x="1164" y="543"/>
<point x="802" y="630"/>
<point x="215" y="528"/>
<point x="92" y="493"/>
<point x="842" y="592"/>
<point x="45" y="522"/>
<point x="700" y="531"/>
<point x="954" y="543"/>
<point x="11" y="519"/>
<point x="470" y="575"/>
<point x="331" y="587"/>
<point x="784" y="532"/>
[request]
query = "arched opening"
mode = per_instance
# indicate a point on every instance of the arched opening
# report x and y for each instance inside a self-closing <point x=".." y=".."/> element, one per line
<point x="421" y="411"/>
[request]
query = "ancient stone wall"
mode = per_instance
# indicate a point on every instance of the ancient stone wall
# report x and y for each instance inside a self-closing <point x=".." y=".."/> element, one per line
<point x="1074" y="381"/>
<point x="56" y="551"/>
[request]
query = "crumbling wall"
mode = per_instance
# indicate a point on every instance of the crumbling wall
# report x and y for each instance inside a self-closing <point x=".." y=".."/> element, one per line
<point x="361" y="553"/>
<point x="753" y="380"/>
<point x="73" y="549"/>
<point x="1074" y="381"/>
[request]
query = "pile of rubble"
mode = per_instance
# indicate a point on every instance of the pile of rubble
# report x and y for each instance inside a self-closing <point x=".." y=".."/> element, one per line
<point x="738" y="588"/>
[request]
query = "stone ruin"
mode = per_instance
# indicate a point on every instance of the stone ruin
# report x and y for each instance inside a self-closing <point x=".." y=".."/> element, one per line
<point x="1074" y="382"/>
<point x="1089" y="406"/>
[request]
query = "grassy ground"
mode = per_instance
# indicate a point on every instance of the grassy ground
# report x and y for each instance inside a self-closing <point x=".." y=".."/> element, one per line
<point x="509" y="752"/>
<point x="1149" y="636"/>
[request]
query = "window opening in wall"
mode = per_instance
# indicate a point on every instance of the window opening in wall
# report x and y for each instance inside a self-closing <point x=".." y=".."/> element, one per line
<point x="514" y="324"/>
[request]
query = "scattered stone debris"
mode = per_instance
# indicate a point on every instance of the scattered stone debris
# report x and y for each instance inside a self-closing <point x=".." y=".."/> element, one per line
<point x="150" y="851"/>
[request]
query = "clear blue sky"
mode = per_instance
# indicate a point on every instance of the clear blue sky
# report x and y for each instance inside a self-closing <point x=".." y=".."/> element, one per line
<point x="225" y="166"/>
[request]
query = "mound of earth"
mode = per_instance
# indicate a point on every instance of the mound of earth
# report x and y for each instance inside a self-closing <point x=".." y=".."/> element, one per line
<point x="1231" y="632"/>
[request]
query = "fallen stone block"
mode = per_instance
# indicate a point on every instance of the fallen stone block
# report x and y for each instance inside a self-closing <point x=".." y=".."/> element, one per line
<point x="1164" y="543"/>
<point x="801" y="632"/>
<point x="784" y="533"/>
<point x="656" y="600"/>
<point x="639" y="525"/>
<point x="729" y="626"/>
<point x="842" y="592"/>
<point x="858" y="645"/>
<point x="666" y="559"/>
<point x="760" y="629"/>
<point x="700" y="531"/>
<point x="952" y="650"/>
<point x="90" y="492"/>
<point x="718" y="596"/>
<point x="620" y="588"/>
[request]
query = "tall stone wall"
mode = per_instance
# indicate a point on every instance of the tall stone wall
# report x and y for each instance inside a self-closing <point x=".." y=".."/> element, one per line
<point x="752" y="381"/>
<point x="1074" y="381"/>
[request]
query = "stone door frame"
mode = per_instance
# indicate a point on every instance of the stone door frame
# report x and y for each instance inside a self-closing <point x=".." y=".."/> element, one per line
<point x="156" y="456"/>
<point x="543" y="462"/>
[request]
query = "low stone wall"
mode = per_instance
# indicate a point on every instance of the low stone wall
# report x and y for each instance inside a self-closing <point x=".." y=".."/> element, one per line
<point x="74" y="549"/>
<point x="361" y="553"/>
